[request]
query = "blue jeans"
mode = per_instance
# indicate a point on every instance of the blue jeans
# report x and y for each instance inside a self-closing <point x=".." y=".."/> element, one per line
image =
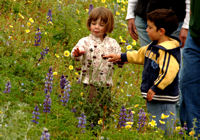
<point x="190" y="85"/>
<point x="156" y="109"/>
<point x="141" y="26"/>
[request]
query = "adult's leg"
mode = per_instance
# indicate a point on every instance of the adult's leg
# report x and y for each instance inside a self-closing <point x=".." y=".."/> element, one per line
<point x="156" y="109"/>
<point x="141" y="26"/>
<point x="189" y="85"/>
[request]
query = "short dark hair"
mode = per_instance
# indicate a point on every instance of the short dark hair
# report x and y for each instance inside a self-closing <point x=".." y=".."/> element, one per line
<point x="105" y="15"/>
<point x="164" y="18"/>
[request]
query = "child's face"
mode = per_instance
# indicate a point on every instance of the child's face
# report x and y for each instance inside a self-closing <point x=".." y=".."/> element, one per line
<point x="97" y="28"/>
<point x="152" y="31"/>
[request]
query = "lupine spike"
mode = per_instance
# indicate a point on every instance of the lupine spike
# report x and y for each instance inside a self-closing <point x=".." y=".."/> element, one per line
<point x="82" y="121"/>
<point x="35" y="115"/>
<point x="45" y="135"/>
<point x="122" y="117"/>
<point x="7" y="87"/>
<point x="90" y="8"/>
<point x="49" y="17"/>
<point x="49" y="81"/>
<point x="38" y="37"/>
<point x="142" y="119"/>
<point x="43" y="53"/>
<point x="65" y="89"/>
<point x="47" y="104"/>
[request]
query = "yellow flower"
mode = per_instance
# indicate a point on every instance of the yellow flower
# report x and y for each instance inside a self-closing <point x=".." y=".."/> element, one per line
<point x="100" y="121"/>
<point x="136" y="105"/>
<point x="154" y="117"/>
<point x="77" y="11"/>
<point x="153" y="123"/>
<point x="27" y="31"/>
<point x="87" y="10"/>
<point x="45" y="33"/>
<point x="31" y="20"/>
<point x="161" y="122"/>
<point x="28" y="24"/>
<point x="1" y="112"/>
<point x="81" y="93"/>
<point x="123" y="9"/>
<point x="123" y="41"/>
<point x="55" y="73"/>
<point x="106" y="6"/>
<point x="172" y="113"/>
<point x="118" y="1"/>
<point x="117" y="13"/>
<point x="178" y="128"/>
<point x="134" y="43"/>
<point x="57" y="55"/>
<point x="71" y="67"/>
<point x="123" y="24"/>
<point x="95" y="0"/>
<point x="50" y="22"/>
<point x="21" y="15"/>
<point x="128" y="47"/>
<point x="10" y="26"/>
<point x="129" y="123"/>
<point x="163" y="116"/>
<point x="80" y="102"/>
<point x="122" y="90"/>
<point x="60" y="2"/>
<point x="103" y="1"/>
<point x="66" y="53"/>
<point x="133" y="112"/>
<point x="128" y="126"/>
<point x="76" y="73"/>
<point x="191" y="133"/>
<point x="120" y="37"/>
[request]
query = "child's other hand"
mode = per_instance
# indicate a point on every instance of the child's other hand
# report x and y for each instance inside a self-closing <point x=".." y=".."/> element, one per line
<point x="113" y="57"/>
<point x="150" y="94"/>
<point x="78" y="52"/>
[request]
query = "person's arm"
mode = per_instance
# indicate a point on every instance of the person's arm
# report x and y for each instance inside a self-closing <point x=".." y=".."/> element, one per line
<point x="131" y="18"/>
<point x="78" y="50"/>
<point x="185" y="26"/>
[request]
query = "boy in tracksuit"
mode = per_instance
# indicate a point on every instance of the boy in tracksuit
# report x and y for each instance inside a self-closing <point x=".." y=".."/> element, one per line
<point x="161" y="60"/>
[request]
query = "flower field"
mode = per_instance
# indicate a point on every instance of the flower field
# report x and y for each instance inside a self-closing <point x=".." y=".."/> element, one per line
<point x="40" y="92"/>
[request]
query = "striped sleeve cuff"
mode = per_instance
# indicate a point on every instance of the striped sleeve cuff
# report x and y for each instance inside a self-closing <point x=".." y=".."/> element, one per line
<point x="124" y="57"/>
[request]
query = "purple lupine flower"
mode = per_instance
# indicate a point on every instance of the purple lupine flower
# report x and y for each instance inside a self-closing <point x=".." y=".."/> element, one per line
<point x="47" y="104"/>
<point x="63" y="81"/>
<point x="49" y="81"/>
<point x="43" y="53"/>
<point x="82" y="121"/>
<point x="45" y="135"/>
<point x="38" y="37"/>
<point x="142" y="119"/>
<point x="90" y="8"/>
<point x="122" y="117"/>
<point x="35" y="115"/>
<point x="65" y="89"/>
<point x="7" y="87"/>
<point x="49" y="17"/>
<point x="129" y="117"/>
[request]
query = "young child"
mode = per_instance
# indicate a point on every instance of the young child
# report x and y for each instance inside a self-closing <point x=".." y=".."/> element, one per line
<point x="161" y="60"/>
<point x="96" y="72"/>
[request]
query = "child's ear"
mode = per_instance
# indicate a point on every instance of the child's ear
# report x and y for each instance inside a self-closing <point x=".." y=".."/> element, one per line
<point x="162" y="31"/>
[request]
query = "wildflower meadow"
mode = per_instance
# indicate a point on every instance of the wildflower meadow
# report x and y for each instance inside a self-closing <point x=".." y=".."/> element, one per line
<point x="41" y="97"/>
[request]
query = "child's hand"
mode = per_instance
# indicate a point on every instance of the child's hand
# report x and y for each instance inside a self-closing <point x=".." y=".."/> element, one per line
<point x="77" y="52"/>
<point x="113" y="57"/>
<point x="150" y="94"/>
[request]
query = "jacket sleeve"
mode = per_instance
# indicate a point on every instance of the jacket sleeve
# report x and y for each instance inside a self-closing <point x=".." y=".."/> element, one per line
<point x="169" y="68"/>
<point x="130" y="9"/>
<point x="137" y="57"/>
